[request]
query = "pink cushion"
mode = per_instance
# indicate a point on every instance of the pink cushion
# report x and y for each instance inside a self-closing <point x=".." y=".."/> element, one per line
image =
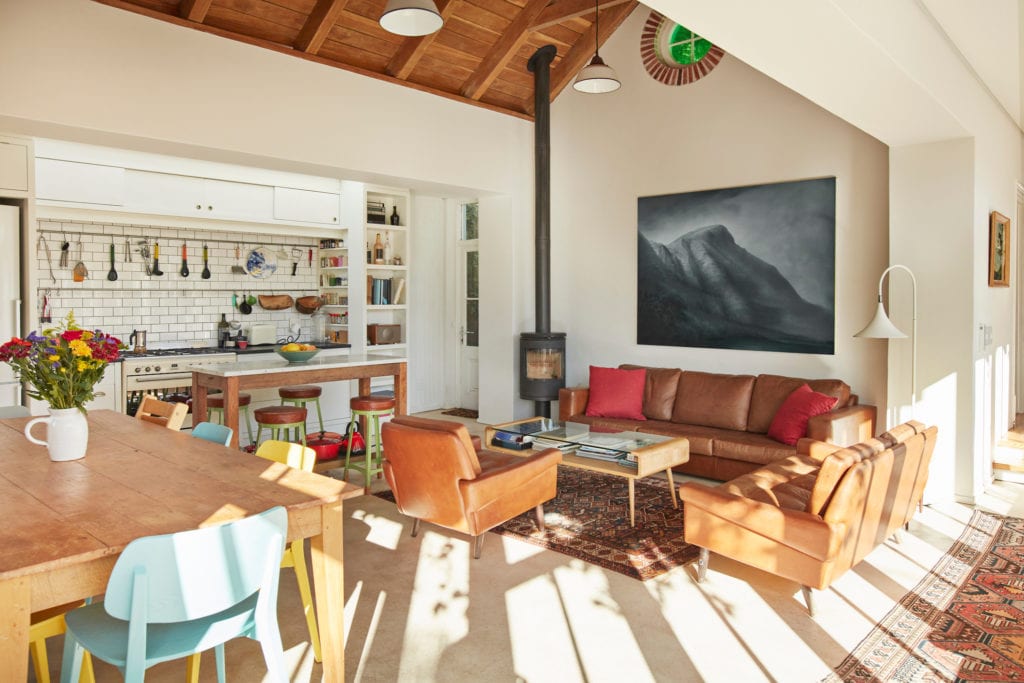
<point x="790" y="422"/>
<point x="616" y="393"/>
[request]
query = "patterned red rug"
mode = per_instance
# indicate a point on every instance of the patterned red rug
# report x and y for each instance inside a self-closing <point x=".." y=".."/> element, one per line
<point x="589" y="520"/>
<point x="963" y="622"/>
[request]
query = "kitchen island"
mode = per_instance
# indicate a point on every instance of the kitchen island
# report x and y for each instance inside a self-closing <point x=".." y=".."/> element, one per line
<point x="269" y="372"/>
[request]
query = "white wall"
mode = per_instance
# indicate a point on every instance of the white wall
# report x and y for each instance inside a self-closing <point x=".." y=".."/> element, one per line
<point x="735" y="127"/>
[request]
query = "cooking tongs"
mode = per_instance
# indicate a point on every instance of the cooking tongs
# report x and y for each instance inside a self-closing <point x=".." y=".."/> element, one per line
<point x="49" y="257"/>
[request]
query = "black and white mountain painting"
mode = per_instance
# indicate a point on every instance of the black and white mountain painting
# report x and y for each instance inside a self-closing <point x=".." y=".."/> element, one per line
<point x="740" y="268"/>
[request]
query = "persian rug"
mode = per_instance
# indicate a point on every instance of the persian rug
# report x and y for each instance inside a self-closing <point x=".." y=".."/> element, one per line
<point x="589" y="520"/>
<point x="461" y="412"/>
<point x="962" y="622"/>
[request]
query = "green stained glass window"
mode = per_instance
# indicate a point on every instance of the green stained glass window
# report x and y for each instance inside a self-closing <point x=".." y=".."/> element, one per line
<point x="685" y="46"/>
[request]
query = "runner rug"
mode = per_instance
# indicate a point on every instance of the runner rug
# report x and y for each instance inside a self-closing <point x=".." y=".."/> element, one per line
<point x="963" y="622"/>
<point x="462" y="412"/>
<point x="589" y="520"/>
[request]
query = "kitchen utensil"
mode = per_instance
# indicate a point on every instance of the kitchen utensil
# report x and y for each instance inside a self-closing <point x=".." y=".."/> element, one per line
<point x="261" y="262"/>
<point x="296" y="255"/>
<point x="325" y="444"/>
<point x="44" y="315"/>
<point x="251" y="299"/>
<point x="310" y="258"/>
<point x="276" y="302"/>
<point x="237" y="268"/>
<point x="308" y="304"/>
<point x="49" y="259"/>
<point x="245" y="307"/>
<point x="64" y="247"/>
<point x="234" y="300"/>
<point x="206" y="262"/>
<point x="262" y="333"/>
<point x="137" y="340"/>
<point x="156" y="260"/>
<point x="79" y="272"/>
<point x="144" y="253"/>
<point x="184" y="260"/>
<point x="112" y="275"/>
<point x="127" y="251"/>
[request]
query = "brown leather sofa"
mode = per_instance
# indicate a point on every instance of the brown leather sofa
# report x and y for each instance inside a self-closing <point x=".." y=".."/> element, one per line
<point x="726" y="417"/>
<point x="816" y="514"/>
<point x="436" y="475"/>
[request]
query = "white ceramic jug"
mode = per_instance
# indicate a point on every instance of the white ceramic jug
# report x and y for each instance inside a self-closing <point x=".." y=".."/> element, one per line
<point x="67" y="433"/>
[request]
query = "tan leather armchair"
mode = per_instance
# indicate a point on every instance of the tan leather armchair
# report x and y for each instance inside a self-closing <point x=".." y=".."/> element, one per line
<point x="437" y="476"/>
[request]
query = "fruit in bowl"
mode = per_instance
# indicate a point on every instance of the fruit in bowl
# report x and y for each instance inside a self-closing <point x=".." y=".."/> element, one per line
<point x="294" y="352"/>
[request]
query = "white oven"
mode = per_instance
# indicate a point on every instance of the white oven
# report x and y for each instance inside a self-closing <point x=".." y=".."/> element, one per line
<point x="164" y="374"/>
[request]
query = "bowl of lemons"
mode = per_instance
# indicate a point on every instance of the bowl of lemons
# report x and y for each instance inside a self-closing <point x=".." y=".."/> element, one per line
<point x="296" y="353"/>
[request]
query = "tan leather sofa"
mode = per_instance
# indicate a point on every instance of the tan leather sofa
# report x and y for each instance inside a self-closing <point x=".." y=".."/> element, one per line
<point x="437" y="476"/>
<point x="726" y="417"/>
<point x="816" y="514"/>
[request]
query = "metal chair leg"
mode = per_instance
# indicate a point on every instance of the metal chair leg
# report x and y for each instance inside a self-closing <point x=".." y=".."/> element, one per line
<point x="702" y="565"/>
<point x="415" y="526"/>
<point x="478" y="545"/>
<point x="808" y="598"/>
<point x="539" y="512"/>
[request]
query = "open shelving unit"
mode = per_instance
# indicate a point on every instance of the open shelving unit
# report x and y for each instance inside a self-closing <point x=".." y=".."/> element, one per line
<point x="387" y="301"/>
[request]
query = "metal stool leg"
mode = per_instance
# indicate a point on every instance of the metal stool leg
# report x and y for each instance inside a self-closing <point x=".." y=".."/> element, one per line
<point x="248" y="423"/>
<point x="319" y="414"/>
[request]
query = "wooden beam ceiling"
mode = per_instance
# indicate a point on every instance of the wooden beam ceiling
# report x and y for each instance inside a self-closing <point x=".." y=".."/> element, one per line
<point x="413" y="49"/>
<point x="318" y="25"/>
<point x="508" y="44"/>
<point x="194" y="10"/>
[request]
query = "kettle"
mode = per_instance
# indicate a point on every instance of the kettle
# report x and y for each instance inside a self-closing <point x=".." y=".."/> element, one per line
<point x="137" y="339"/>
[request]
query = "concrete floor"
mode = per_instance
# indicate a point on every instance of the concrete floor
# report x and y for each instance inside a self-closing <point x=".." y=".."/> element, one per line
<point x="420" y="609"/>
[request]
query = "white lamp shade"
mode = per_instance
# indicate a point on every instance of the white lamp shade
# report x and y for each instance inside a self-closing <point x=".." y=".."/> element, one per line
<point x="596" y="77"/>
<point x="881" y="327"/>
<point x="411" y="17"/>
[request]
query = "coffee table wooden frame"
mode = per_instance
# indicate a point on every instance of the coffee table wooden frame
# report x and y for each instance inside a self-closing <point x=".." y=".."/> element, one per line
<point x="659" y="457"/>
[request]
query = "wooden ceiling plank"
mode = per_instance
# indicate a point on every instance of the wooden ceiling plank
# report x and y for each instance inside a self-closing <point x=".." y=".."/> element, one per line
<point x="560" y="11"/>
<point x="318" y="25"/>
<point x="583" y="50"/>
<point x="503" y="50"/>
<point x="194" y="10"/>
<point x="412" y="49"/>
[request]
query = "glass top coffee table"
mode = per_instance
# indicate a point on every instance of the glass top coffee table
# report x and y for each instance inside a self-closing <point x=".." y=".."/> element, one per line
<point x="632" y="455"/>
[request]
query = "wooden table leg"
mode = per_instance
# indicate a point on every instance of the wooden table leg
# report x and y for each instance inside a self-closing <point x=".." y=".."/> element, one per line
<point x="15" y="610"/>
<point x="199" y="392"/>
<point x="632" y="504"/>
<point x="329" y="587"/>
<point x="671" y="487"/>
<point x="231" y="408"/>
<point x="401" y="390"/>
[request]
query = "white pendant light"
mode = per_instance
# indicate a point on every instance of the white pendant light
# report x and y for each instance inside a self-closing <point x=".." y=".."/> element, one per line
<point x="411" y="17"/>
<point x="596" y="77"/>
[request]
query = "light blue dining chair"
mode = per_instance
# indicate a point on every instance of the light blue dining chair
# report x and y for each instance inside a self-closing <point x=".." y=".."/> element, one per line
<point x="178" y="594"/>
<point x="211" y="431"/>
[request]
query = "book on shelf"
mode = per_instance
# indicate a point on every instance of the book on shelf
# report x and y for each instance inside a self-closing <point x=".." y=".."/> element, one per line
<point x="399" y="290"/>
<point x="378" y="290"/>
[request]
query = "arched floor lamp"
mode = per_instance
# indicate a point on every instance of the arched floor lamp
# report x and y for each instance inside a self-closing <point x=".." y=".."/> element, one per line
<point x="881" y="327"/>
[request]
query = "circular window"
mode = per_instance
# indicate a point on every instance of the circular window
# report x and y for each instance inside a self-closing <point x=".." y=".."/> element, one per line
<point x="675" y="55"/>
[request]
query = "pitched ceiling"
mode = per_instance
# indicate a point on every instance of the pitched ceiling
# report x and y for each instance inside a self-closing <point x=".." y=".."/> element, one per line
<point x="478" y="57"/>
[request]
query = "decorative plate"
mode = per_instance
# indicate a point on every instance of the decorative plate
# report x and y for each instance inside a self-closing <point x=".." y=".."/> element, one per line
<point x="260" y="262"/>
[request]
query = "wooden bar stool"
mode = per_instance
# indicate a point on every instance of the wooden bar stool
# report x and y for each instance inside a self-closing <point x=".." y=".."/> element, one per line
<point x="300" y="395"/>
<point x="372" y="408"/>
<point x="277" y="418"/>
<point x="215" y="404"/>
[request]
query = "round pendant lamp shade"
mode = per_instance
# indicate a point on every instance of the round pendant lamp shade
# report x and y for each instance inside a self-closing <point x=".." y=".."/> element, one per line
<point x="596" y="77"/>
<point x="411" y="17"/>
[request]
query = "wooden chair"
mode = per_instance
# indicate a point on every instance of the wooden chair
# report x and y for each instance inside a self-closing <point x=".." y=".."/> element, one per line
<point x="173" y="595"/>
<point x="211" y="431"/>
<point x="170" y="415"/>
<point x="46" y="624"/>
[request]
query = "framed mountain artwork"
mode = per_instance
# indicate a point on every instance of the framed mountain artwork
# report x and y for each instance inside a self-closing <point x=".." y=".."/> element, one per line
<point x="749" y="268"/>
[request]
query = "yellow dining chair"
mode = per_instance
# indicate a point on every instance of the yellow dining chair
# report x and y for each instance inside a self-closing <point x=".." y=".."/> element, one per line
<point x="301" y="458"/>
<point x="46" y="624"/>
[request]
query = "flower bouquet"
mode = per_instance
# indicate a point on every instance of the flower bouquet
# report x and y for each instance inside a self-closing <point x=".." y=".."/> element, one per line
<point x="62" y="364"/>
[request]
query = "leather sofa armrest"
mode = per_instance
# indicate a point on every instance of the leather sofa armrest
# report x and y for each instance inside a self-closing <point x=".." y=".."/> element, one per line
<point x="477" y="444"/>
<point x="844" y="427"/>
<point x="572" y="401"/>
<point x="796" y="529"/>
<point x="495" y="483"/>
<point x="814" y="449"/>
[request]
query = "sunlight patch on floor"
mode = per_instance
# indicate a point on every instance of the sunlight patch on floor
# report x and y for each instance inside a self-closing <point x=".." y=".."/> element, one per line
<point x="515" y="550"/>
<point x="539" y="637"/>
<point x="383" y="531"/>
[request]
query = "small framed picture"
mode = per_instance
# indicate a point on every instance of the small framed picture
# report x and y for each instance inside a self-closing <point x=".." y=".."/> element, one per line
<point x="999" y="250"/>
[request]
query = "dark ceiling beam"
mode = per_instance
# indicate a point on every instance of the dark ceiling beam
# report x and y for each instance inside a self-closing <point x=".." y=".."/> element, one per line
<point x="506" y="47"/>
<point x="194" y="10"/>
<point x="563" y="10"/>
<point x="409" y="54"/>
<point x="583" y="50"/>
<point x="319" y="23"/>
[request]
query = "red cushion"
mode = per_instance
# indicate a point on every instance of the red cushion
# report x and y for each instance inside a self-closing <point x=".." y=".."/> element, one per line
<point x="790" y="422"/>
<point x="616" y="393"/>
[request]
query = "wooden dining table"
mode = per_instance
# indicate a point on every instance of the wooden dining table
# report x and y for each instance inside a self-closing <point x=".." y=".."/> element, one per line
<point x="63" y="524"/>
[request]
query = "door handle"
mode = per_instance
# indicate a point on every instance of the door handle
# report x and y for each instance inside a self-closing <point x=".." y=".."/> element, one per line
<point x="462" y="334"/>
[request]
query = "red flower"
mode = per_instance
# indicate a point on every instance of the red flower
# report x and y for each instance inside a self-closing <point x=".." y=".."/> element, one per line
<point x="71" y="335"/>
<point x="16" y="348"/>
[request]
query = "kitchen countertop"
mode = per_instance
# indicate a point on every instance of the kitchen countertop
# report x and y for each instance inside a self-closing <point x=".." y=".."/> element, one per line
<point x="266" y="366"/>
<point x="269" y="348"/>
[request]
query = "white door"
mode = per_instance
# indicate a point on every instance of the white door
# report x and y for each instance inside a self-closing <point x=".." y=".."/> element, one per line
<point x="10" y="299"/>
<point x="468" y="306"/>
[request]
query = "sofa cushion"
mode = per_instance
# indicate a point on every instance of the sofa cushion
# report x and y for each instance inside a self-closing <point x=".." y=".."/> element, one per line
<point x="770" y="391"/>
<point x="713" y="400"/>
<point x="659" y="391"/>
<point x="755" y="448"/>
<point x="701" y="438"/>
<point x="786" y="483"/>
<point x="616" y="393"/>
<point x="790" y="423"/>
<point x="607" y="424"/>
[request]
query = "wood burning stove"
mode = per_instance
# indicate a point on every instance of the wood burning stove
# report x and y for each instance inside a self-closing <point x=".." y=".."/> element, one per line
<point x="541" y="367"/>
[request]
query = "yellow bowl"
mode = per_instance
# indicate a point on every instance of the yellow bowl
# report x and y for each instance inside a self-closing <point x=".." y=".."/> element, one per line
<point x="296" y="356"/>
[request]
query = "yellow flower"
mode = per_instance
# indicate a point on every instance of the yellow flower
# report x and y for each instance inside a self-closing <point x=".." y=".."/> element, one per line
<point x="53" y="359"/>
<point x="87" y="335"/>
<point x="80" y="348"/>
<point x="83" y="365"/>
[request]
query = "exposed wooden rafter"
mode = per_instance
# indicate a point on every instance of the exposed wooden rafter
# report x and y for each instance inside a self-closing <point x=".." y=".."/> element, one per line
<point x="318" y="25"/>
<point x="506" y="47"/>
<point x="560" y="11"/>
<point x="405" y="60"/>
<point x="583" y="50"/>
<point x="194" y="10"/>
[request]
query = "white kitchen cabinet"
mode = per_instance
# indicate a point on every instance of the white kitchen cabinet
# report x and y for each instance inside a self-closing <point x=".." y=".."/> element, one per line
<point x="306" y="206"/>
<point x="14" y="155"/>
<point x="79" y="183"/>
<point x="182" y="195"/>
<point x="228" y="199"/>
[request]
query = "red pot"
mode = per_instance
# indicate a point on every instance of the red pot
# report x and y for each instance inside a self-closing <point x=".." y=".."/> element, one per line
<point x="325" y="444"/>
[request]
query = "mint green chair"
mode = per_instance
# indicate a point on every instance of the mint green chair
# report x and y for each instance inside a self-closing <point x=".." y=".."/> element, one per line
<point x="211" y="431"/>
<point x="174" y="595"/>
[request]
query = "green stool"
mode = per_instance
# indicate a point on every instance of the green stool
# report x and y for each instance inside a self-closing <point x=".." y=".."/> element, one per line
<point x="278" y="418"/>
<point x="215" y="406"/>
<point x="372" y="408"/>
<point x="302" y="394"/>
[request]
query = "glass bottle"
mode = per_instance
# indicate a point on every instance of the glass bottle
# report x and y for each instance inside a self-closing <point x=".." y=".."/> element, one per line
<point x="223" y="330"/>
<point x="387" y="249"/>
<point x="369" y="254"/>
<point x="319" y="327"/>
<point x="378" y="250"/>
<point x="395" y="220"/>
